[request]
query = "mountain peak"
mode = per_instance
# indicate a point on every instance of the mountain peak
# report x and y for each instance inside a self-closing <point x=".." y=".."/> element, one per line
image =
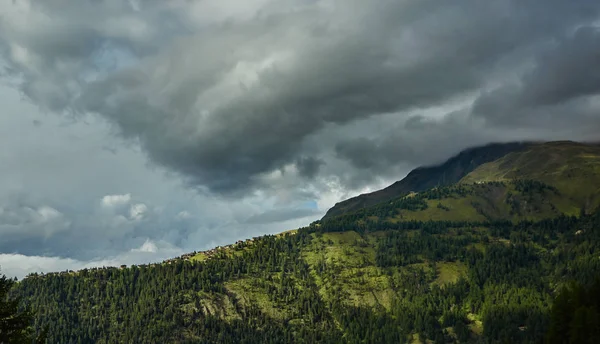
<point x="425" y="177"/>
<point x="543" y="161"/>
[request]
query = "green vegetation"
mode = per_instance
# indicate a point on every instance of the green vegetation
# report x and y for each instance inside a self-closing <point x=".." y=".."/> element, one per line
<point x="569" y="166"/>
<point x="575" y="316"/>
<point x="572" y="168"/>
<point x="481" y="261"/>
<point x="15" y="323"/>
<point x="516" y="200"/>
<point x="334" y="286"/>
<point x="424" y="178"/>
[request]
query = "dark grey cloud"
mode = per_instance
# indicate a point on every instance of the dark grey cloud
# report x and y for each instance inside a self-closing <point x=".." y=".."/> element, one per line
<point x="226" y="97"/>
<point x="566" y="71"/>
<point x="414" y="141"/>
<point x="404" y="143"/>
<point x="560" y="89"/>
<point x="308" y="167"/>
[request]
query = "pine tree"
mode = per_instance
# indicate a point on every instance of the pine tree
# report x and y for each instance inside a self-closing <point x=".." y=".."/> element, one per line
<point x="14" y="324"/>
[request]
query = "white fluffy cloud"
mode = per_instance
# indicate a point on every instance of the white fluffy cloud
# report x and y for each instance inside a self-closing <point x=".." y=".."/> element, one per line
<point x="47" y="213"/>
<point x="137" y="211"/>
<point x="148" y="246"/>
<point x="18" y="265"/>
<point x="184" y="215"/>
<point x="115" y="200"/>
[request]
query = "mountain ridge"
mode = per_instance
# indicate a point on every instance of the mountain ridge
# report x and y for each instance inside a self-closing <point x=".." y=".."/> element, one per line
<point x="425" y="177"/>
<point x="461" y="168"/>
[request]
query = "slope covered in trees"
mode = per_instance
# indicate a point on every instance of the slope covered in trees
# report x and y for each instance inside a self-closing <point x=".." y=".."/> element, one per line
<point x="439" y="281"/>
<point x="15" y="323"/>
<point x="481" y="261"/>
<point x="575" y="315"/>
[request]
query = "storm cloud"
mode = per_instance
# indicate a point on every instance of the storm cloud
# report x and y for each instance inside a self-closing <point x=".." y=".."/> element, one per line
<point x="195" y="122"/>
<point x="223" y="95"/>
<point x="561" y="89"/>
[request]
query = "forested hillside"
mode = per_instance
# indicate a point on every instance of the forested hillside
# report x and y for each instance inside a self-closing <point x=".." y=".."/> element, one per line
<point x="442" y="281"/>
<point x="481" y="261"/>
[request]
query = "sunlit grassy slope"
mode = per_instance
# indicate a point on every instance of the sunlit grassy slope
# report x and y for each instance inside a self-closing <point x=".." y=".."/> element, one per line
<point x="571" y="167"/>
<point x="426" y="177"/>
<point x="540" y="181"/>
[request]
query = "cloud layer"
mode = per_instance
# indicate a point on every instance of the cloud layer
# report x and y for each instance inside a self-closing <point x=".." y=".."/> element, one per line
<point x="262" y="106"/>
<point x="224" y="95"/>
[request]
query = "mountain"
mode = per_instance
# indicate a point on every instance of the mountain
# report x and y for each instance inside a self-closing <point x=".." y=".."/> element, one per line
<point x="424" y="178"/>
<point x="477" y="261"/>
<point x="538" y="181"/>
<point x="571" y="167"/>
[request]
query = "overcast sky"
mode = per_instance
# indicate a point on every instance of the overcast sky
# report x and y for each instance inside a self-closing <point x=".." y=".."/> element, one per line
<point x="133" y="131"/>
